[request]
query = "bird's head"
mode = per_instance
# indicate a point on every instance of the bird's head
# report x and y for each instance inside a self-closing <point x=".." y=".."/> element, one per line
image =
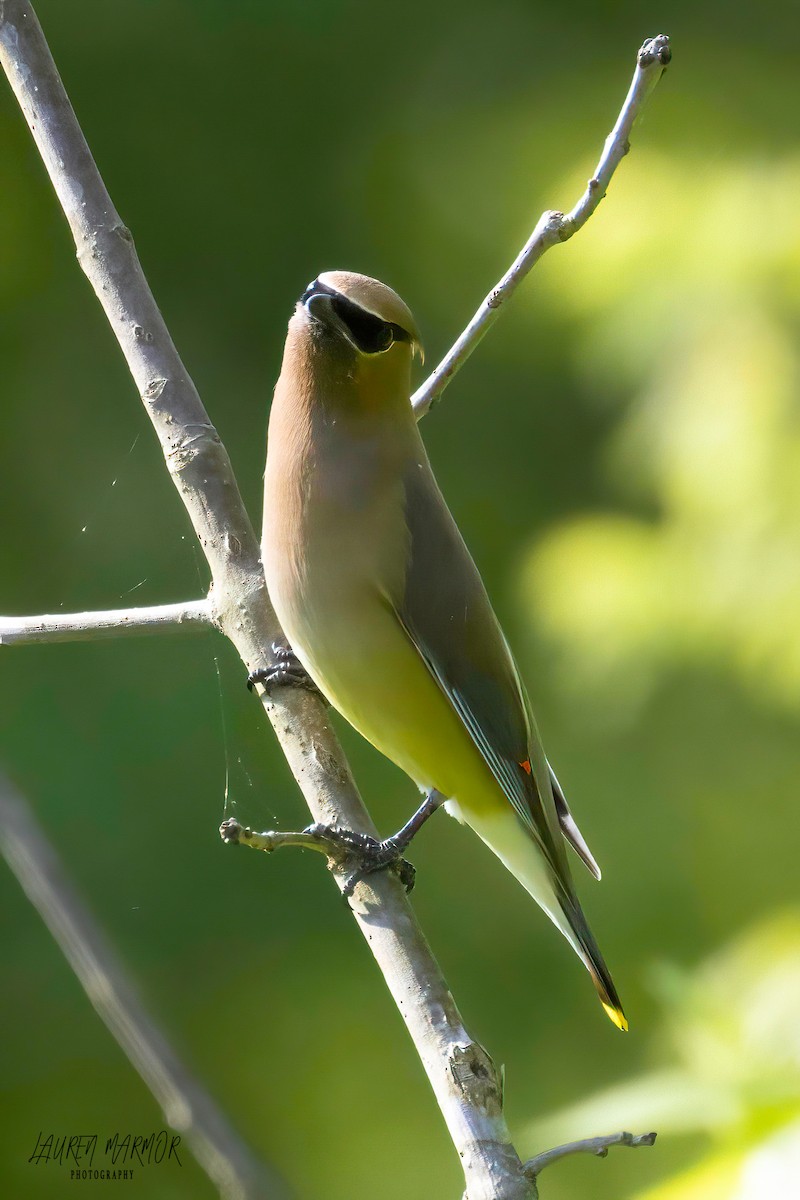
<point x="358" y="316"/>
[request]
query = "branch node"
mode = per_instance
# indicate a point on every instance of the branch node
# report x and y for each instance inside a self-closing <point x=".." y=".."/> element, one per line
<point x="153" y="390"/>
<point x="552" y="225"/>
<point x="477" y="1077"/>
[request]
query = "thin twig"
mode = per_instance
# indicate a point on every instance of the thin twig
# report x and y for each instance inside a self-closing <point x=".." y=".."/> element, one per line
<point x="189" y="617"/>
<point x="186" y="1105"/>
<point x="599" y="1146"/>
<point x="553" y="227"/>
<point x="341" y="847"/>
<point x="240" y="835"/>
<point x="463" y="1077"/>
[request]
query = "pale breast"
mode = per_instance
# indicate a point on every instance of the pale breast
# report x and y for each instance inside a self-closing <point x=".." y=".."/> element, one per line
<point x="335" y="536"/>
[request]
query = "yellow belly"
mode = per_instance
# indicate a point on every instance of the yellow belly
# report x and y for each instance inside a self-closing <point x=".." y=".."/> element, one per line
<point x="372" y="673"/>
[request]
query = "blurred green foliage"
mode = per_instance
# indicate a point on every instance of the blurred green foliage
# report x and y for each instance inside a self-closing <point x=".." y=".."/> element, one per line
<point x="623" y="455"/>
<point x="729" y="1055"/>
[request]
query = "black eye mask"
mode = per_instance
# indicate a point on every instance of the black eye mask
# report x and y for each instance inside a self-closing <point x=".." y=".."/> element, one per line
<point x="369" y="333"/>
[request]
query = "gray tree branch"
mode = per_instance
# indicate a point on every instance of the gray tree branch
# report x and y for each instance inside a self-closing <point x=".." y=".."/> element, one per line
<point x="598" y="1146"/>
<point x="186" y="1105"/>
<point x="188" y="617"/>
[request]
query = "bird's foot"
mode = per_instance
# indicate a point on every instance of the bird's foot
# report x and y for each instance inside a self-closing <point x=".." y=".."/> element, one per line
<point x="367" y="854"/>
<point x="286" y="670"/>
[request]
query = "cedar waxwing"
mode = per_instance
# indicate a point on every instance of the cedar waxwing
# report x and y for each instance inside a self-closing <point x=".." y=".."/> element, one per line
<point x="384" y="607"/>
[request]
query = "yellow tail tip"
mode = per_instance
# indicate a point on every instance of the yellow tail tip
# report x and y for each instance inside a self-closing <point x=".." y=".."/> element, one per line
<point x="617" y="1016"/>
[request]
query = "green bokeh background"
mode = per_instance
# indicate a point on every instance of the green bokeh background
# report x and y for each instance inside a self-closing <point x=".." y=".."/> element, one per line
<point x="623" y="456"/>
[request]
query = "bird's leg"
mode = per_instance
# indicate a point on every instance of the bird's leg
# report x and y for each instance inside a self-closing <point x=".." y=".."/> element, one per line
<point x="401" y="840"/>
<point x="285" y="670"/>
<point x="374" y="855"/>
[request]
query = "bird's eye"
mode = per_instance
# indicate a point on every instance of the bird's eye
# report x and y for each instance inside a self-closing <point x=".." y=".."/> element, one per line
<point x="368" y="332"/>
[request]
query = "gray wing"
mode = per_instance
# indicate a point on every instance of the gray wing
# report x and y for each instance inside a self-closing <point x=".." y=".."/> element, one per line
<point x="444" y="607"/>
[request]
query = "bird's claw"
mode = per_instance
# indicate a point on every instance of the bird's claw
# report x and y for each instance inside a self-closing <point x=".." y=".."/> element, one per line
<point x="406" y="872"/>
<point x="368" y="854"/>
<point x="286" y="670"/>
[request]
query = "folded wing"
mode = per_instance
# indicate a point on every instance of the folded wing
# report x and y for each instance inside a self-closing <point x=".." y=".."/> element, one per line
<point x="446" y="613"/>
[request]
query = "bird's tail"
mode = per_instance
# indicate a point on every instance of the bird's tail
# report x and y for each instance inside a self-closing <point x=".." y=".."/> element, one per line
<point x="504" y="834"/>
<point x="587" y="948"/>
